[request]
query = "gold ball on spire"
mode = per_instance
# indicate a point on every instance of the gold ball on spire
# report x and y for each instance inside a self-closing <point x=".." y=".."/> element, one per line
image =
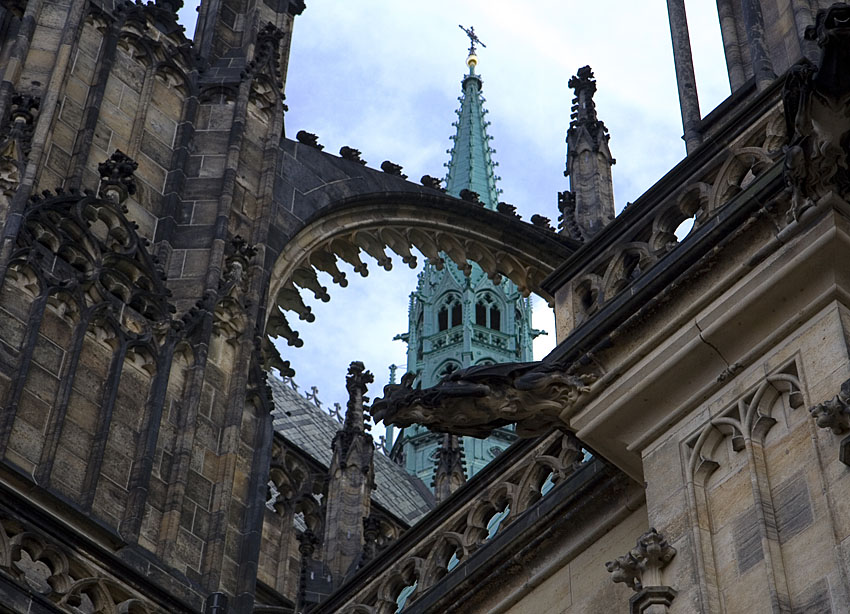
<point x="472" y="60"/>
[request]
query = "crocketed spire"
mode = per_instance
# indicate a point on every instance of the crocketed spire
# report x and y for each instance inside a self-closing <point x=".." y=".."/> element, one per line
<point x="471" y="166"/>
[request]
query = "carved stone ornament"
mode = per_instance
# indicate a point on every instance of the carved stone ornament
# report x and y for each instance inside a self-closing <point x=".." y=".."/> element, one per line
<point x="266" y="55"/>
<point x="477" y="400"/>
<point x="470" y="196"/>
<point x="432" y="182"/>
<point x="392" y="169"/>
<point x="309" y="139"/>
<point x="238" y="256"/>
<point x="352" y="443"/>
<point x="88" y="247"/>
<point x="567" y="222"/>
<point x="15" y="138"/>
<point x="815" y="100"/>
<point x="640" y="568"/>
<point x="834" y="415"/>
<point x="116" y="177"/>
<point x="349" y="153"/>
<point x="307" y="542"/>
<point x="62" y="578"/>
<point x="541" y="222"/>
<point x="507" y="209"/>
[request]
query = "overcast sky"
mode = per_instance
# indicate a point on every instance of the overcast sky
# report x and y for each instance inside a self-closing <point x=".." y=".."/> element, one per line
<point x="383" y="76"/>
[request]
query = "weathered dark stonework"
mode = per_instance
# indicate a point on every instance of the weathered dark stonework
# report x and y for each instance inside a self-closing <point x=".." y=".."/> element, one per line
<point x="591" y="204"/>
<point x="158" y="227"/>
<point x="817" y="159"/>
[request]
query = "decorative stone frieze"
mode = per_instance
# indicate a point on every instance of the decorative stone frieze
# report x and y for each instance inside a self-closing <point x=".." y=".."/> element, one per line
<point x="383" y="228"/>
<point x="640" y="568"/>
<point x="63" y="577"/>
<point x="523" y="484"/>
<point x="617" y="262"/>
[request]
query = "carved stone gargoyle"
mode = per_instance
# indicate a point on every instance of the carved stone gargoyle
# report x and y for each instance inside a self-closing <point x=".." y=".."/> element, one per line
<point x="816" y="101"/>
<point x="476" y="400"/>
<point x="640" y="568"/>
<point x="835" y="413"/>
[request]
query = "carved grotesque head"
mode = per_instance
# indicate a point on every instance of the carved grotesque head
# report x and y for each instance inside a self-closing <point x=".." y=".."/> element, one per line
<point x="831" y="25"/>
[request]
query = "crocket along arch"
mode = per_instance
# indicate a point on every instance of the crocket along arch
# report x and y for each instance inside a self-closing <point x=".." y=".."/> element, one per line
<point x="435" y="224"/>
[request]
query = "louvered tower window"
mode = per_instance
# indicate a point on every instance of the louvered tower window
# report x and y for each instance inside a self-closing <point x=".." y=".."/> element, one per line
<point x="487" y="312"/>
<point x="450" y="313"/>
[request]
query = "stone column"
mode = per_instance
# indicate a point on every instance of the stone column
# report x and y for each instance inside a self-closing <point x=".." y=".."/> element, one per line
<point x="685" y="78"/>
<point x="731" y="44"/>
<point x="762" y="64"/>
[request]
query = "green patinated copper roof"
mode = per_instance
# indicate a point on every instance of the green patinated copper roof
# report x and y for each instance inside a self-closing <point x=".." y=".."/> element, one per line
<point x="471" y="166"/>
<point x="464" y="343"/>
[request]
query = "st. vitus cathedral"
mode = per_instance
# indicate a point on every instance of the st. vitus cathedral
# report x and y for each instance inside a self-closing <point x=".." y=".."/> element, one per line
<point x="684" y="448"/>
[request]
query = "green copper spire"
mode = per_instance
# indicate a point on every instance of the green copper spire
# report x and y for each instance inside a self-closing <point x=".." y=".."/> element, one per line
<point x="458" y="321"/>
<point x="471" y="166"/>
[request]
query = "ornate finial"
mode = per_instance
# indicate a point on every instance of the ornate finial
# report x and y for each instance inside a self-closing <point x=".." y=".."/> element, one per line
<point x="473" y="38"/>
<point x="584" y="84"/>
<point x="355" y="382"/>
<point x="472" y="58"/>
<point x="116" y="177"/>
<point x="393" y="369"/>
<point x="449" y="472"/>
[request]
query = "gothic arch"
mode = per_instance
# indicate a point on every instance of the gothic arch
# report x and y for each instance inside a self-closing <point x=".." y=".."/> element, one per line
<point x="435" y="224"/>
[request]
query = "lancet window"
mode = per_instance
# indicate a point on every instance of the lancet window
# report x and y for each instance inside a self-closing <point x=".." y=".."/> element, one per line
<point x="487" y="312"/>
<point x="450" y="313"/>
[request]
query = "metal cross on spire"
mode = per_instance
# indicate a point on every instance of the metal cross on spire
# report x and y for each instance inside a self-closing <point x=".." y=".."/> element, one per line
<point x="473" y="38"/>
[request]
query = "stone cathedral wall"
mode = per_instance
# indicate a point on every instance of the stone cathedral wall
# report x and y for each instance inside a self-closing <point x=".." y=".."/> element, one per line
<point x="132" y="423"/>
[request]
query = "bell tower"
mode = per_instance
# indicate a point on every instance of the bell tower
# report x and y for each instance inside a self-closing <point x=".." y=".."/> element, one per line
<point x="460" y="318"/>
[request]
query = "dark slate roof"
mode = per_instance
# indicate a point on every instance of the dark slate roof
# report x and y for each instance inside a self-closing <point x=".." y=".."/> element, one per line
<point x="305" y="425"/>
